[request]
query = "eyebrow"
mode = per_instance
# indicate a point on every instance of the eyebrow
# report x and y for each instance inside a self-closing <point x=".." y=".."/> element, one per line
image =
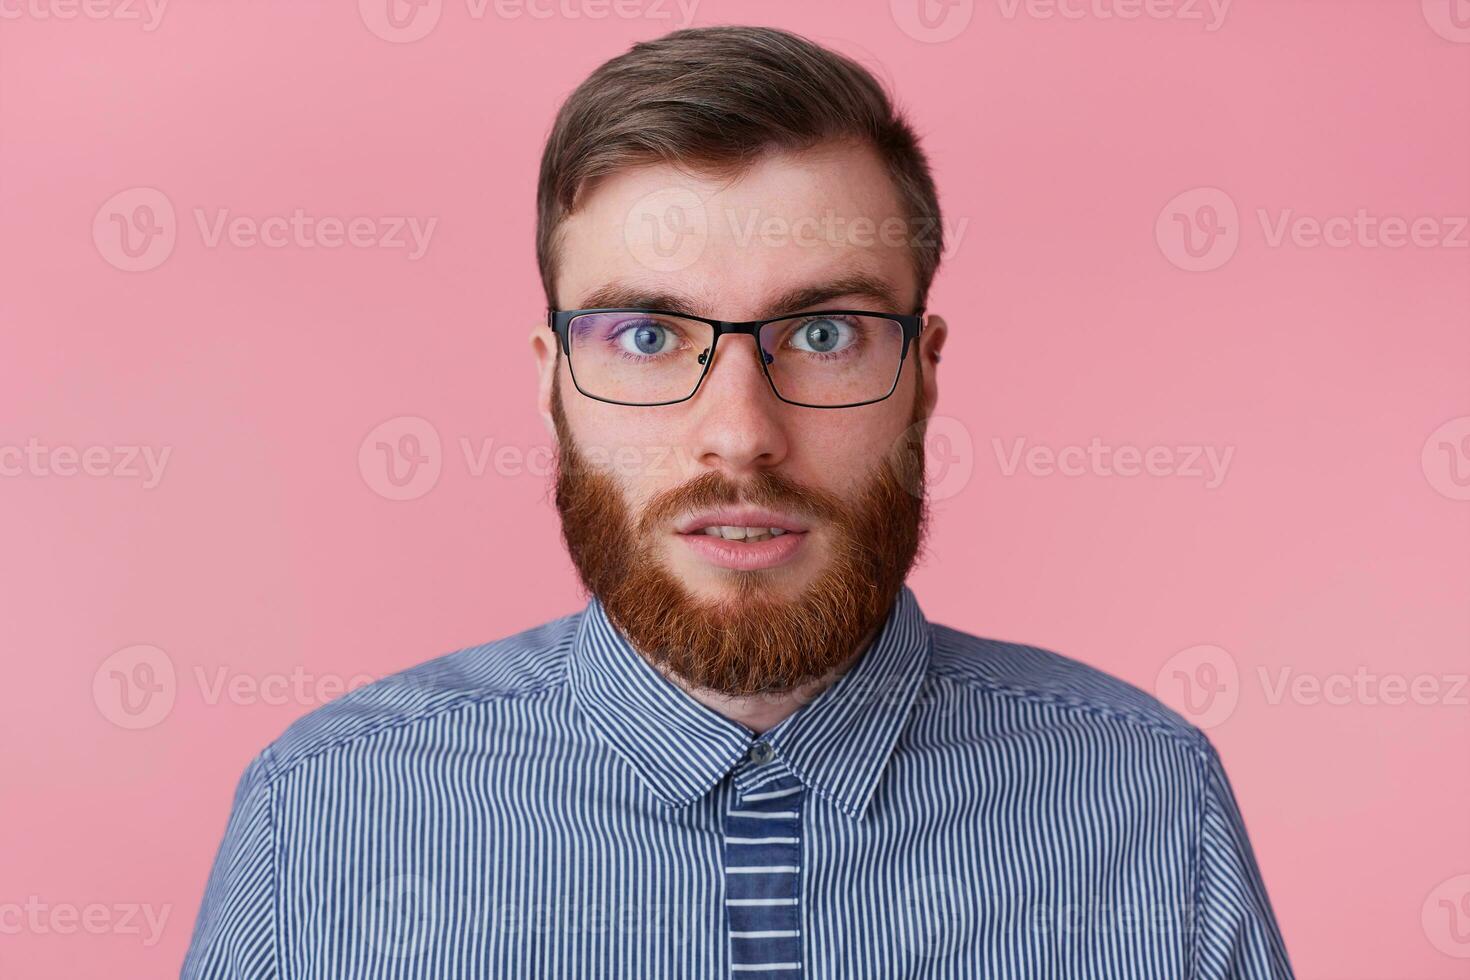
<point x="618" y="294"/>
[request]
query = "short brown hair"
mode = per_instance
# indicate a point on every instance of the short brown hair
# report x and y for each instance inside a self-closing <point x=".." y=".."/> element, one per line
<point x="712" y="100"/>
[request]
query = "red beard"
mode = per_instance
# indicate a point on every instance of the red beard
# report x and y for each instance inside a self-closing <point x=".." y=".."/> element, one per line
<point x="750" y="642"/>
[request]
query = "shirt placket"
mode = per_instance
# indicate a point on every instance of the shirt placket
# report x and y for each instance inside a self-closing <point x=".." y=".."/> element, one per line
<point x="763" y="867"/>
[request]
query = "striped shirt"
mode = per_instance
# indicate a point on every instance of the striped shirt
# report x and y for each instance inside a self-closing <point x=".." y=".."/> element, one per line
<point x="549" y="805"/>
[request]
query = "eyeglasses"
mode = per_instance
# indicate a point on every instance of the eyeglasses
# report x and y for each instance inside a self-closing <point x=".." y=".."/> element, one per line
<point x="822" y="359"/>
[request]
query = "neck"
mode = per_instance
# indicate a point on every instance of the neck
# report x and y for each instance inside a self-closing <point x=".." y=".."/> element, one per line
<point x="762" y="712"/>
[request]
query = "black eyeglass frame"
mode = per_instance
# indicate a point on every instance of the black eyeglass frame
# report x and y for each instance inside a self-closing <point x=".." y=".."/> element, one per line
<point x="560" y="321"/>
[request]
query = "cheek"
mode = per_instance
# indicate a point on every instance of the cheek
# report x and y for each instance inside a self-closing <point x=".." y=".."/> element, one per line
<point x="837" y="453"/>
<point x="642" y="456"/>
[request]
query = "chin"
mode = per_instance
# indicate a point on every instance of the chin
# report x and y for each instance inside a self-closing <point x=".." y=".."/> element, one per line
<point x="713" y="583"/>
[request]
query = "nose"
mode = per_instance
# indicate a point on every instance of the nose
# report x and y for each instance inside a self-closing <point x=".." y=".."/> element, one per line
<point x="740" y="424"/>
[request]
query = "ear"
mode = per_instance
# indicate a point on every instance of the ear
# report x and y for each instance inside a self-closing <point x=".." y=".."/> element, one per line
<point x="544" y="348"/>
<point x="931" y="342"/>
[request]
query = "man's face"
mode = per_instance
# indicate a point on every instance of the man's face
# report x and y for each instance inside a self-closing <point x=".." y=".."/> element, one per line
<point x="638" y="485"/>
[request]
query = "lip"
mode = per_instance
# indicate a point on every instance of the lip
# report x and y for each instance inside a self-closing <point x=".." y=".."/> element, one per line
<point x="739" y="517"/>
<point x="745" y="555"/>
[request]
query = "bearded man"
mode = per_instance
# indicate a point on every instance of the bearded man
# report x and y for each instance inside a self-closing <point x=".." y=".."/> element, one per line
<point x="750" y="754"/>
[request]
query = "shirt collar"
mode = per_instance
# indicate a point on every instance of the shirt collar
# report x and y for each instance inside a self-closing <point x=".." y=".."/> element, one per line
<point x="837" y="745"/>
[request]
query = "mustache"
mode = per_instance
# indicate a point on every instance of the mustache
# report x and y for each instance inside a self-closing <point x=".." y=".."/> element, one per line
<point x="764" y="489"/>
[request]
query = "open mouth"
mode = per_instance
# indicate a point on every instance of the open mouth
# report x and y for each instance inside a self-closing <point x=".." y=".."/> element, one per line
<point x="748" y="534"/>
<point x="743" y="538"/>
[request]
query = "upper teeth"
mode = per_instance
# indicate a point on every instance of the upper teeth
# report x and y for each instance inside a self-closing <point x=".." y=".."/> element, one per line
<point x="743" y="533"/>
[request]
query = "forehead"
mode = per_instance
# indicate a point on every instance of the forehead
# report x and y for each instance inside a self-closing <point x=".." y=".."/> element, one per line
<point x="789" y="226"/>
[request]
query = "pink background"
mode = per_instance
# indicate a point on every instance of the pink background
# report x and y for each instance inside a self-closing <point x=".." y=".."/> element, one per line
<point x="1336" y="547"/>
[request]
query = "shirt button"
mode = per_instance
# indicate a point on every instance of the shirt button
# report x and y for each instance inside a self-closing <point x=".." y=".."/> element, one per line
<point x="761" y="753"/>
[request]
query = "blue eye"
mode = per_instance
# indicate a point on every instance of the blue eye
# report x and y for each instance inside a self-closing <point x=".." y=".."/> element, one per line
<point x="647" y="339"/>
<point x="822" y="335"/>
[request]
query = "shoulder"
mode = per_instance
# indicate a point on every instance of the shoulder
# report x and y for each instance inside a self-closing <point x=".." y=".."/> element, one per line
<point x="522" y="666"/>
<point x="1052" y="690"/>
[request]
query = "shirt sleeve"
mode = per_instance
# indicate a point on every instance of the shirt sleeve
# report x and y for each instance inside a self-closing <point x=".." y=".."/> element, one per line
<point x="1236" y="936"/>
<point x="234" y="937"/>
